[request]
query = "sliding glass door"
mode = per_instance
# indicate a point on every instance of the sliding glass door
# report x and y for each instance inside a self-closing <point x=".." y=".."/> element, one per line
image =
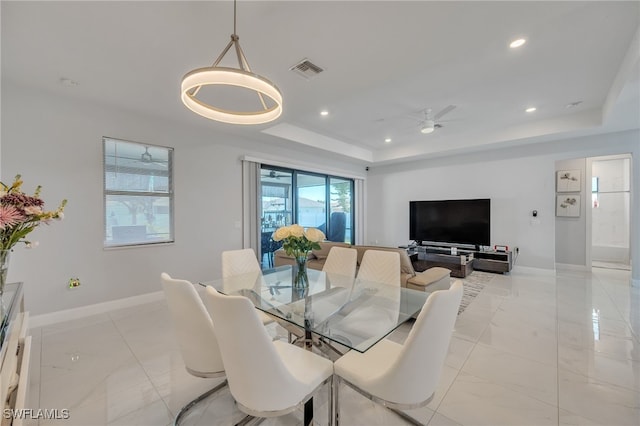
<point x="340" y="213"/>
<point x="311" y="201"/>
<point x="276" y="208"/>
<point x="308" y="199"/>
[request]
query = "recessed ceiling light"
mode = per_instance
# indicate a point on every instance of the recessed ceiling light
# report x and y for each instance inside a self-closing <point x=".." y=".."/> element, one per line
<point x="324" y="113"/>
<point x="388" y="140"/>
<point x="530" y="109"/>
<point x="517" y="43"/>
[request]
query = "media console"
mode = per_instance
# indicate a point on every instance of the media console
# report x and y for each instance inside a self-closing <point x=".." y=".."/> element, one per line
<point x="493" y="261"/>
<point x="461" y="261"/>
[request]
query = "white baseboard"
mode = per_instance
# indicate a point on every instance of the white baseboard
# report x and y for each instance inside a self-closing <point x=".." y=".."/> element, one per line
<point x="98" y="308"/>
<point x="571" y="267"/>
<point x="532" y="270"/>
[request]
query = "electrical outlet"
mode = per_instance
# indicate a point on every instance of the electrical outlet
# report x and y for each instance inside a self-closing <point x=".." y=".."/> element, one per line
<point x="74" y="283"/>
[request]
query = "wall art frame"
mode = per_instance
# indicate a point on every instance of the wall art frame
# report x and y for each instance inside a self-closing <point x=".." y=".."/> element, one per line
<point x="568" y="181"/>
<point x="568" y="205"/>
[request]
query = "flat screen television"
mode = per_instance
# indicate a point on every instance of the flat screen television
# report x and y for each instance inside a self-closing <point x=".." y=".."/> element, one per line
<point x="451" y="221"/>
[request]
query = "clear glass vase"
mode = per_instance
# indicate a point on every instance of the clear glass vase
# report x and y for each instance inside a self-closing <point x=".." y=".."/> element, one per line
<point x="300" y="278"/>
<point x="4" y="268"/>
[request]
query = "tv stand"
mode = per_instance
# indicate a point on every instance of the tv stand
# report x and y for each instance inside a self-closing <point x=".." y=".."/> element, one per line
<point x="493" y="261"/>
<point x="460" y="264"/>
<point x="464" y="261"/>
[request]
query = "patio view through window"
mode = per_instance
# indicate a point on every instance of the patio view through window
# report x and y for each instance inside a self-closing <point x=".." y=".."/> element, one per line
<point x="138" y="194"/>
<point x="309" y="199"/>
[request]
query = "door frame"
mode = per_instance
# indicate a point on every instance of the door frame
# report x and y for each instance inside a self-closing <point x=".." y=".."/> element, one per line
<point x="589" y="208"/>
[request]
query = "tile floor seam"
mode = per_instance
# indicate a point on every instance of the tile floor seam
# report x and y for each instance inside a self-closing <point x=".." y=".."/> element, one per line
<point x="475" y="344"/>
<point x="604" y="288"/>
<point x="484" y="329"/>
<point x="559" y="369"/>
<point x="557" y="354"/>
<point x="609" y="356"/>
<point x="115" y="325"/>
<point x="511" y="389"/>
<point x="600" y="381"/>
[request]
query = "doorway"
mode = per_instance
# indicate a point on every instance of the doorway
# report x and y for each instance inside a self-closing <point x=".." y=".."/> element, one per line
<point x="611" y="212"/>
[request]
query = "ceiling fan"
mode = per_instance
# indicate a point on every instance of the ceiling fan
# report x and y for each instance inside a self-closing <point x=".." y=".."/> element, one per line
<point x="427" y="121"/>
<point x="429" y="124"/>
<point x="274" y="175"/>
<point x="147" y="158"/>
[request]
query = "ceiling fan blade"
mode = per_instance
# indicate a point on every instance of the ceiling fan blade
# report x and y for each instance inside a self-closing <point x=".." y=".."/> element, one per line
<point x="446" y="110"/>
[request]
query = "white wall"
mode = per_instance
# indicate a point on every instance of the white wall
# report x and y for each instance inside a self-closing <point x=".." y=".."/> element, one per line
<point x="571" y="232"/>
<point x="516" y="187"/>
<point x="518" y="180"/>
<point x="57" y="142"/>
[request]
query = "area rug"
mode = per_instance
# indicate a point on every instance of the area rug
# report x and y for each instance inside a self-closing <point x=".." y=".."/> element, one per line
<point x="473" y="284"/>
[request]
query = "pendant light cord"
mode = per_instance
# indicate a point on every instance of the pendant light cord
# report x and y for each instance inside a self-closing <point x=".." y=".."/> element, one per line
<point x="234" y="17"/>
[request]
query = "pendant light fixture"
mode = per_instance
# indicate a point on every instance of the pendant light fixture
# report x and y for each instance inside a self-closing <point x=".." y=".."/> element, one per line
<point x="241" y="77"/>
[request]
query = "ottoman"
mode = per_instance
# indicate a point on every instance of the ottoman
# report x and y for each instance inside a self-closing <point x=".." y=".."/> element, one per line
<point x="432" y="279"/>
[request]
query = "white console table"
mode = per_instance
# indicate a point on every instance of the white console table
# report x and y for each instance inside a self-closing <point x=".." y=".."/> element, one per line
<point x="15" y="351"/>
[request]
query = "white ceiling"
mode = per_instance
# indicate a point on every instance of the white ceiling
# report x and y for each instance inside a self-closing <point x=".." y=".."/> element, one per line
<point x="385" y="63"/>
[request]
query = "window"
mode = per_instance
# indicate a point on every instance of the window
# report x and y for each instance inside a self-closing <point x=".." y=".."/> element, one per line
<point x="138" y="193"/>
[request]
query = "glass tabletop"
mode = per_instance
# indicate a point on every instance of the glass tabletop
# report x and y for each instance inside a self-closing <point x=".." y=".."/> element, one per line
<point x="351" y="312"/>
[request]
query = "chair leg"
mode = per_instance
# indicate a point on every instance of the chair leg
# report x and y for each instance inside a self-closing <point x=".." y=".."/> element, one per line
<point x="395" y="410"/>
<point x="183" y="411"/>
<point x="322" y="342"/>
<point x="406" y="417"/>
<point x="335" y="384"/>
<point x="330" y="417"/>
<point x="250" y="420"/>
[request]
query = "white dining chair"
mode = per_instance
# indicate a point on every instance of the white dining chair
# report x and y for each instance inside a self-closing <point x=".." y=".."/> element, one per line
<point x="380" y="266"/>
<point x="404" y="376"/>
<point x="243" y="262"/>
<point x="195" y="335"/>
<point x="266" y="378"/>
<point x="341" y="261"/>
<point x="239" y="262"/>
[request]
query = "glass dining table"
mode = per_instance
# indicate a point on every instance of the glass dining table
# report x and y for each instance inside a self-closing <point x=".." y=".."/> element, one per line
<point x="354" y="313"/>
<point x="351" y="312"/>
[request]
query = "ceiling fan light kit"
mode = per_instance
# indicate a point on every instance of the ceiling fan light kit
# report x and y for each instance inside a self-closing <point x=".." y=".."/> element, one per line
<point x="243" y="77"/>
<point x="428" y="127"/>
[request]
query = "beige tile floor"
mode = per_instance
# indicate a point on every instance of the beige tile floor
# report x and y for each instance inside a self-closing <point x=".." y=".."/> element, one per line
<point x="531" y="349"/>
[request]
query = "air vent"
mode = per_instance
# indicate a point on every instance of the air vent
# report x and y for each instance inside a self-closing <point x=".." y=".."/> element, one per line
<point x="306" y="69"/>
